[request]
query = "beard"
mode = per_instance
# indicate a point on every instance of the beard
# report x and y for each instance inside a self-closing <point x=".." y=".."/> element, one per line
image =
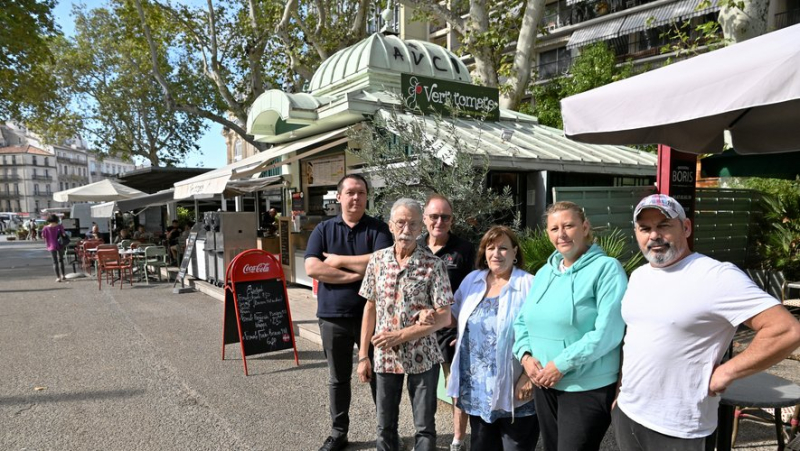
<point x="662" y="258"/>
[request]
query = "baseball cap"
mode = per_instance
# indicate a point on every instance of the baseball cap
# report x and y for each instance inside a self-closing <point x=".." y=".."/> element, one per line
<point x="663" y="203"/>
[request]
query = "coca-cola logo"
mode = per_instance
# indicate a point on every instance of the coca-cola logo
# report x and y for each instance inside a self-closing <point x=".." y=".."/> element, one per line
<point x="254" y="269"/>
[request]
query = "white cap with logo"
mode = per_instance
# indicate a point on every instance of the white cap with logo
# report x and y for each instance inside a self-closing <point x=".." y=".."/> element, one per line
<point x="663" y="203"/>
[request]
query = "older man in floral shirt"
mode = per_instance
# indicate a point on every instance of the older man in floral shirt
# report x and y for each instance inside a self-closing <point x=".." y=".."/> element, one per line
<point x="401" y="282"/>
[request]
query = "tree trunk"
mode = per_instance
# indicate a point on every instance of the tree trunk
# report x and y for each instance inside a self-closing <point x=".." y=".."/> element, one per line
<point x="526" y="44"/>
<point x="742" y="24"/>
<point x="477" y="24"/>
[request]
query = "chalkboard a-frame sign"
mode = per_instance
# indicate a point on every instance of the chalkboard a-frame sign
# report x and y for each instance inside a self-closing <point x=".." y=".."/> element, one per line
<point x="257" y="312"/>
<point x="187" y="257"/>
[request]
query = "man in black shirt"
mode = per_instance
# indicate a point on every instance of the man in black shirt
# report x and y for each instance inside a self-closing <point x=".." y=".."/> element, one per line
<point x="337" y="254"/>
<point x="459" y="259"/>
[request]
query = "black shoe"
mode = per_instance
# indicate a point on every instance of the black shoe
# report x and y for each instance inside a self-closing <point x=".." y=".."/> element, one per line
<point x="334" y="444"/>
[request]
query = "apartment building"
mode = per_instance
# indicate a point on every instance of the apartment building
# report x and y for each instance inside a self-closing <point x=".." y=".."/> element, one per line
<point x="634" y="29"/>
<point x="32" y="171"/>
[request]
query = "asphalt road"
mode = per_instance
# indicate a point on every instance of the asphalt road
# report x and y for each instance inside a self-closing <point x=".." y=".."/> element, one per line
<point x="140" y="369"/>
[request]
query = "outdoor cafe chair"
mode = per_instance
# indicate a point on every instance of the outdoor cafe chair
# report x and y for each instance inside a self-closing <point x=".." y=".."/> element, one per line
<point x="786" y="422"/>
<point x="108" y="261"/>
<point x="155" y="257"/>
<point x="85" y="257"/>
<point x="124" y="244"/>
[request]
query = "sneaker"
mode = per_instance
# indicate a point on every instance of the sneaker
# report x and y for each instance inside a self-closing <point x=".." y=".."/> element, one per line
<point x="58" y="280"/>
<point x="334" y="444"/>
<point x="63" y="279"/>
<point x="456" y="446"/>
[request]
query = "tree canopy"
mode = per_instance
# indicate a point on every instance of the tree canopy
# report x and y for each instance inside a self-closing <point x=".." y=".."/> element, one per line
<point x="224" y="56"/>
<point x="107" y="96"/>
<point x="27" y="28"/>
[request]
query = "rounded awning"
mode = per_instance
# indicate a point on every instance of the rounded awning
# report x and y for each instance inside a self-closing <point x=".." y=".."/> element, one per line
<point x="276" y="112"/>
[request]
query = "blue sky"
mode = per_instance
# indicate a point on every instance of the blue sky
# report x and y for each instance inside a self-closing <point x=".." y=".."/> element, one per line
<point x="212" y="145"/>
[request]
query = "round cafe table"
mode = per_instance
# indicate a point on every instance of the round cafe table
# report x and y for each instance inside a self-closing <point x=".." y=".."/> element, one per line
<point x="762" y="390"/>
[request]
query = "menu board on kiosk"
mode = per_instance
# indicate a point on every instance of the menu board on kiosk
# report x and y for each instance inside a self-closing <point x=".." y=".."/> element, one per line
<point x="257" y="311"/>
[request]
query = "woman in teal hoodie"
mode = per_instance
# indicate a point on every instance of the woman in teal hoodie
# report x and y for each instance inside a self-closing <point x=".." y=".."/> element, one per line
<point x="568" y="334"/>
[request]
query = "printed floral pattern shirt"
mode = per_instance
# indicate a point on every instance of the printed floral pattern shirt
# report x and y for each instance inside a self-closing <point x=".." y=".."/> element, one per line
<point x="399" y="295"/>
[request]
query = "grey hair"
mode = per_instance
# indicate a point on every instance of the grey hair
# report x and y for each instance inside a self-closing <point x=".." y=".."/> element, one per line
<point x="406" y="202"/>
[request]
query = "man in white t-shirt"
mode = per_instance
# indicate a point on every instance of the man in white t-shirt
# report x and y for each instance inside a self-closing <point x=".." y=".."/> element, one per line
<point x="681" y="312"/>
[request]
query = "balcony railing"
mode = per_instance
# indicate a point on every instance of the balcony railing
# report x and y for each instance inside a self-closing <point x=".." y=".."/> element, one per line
<point x="788" y="18"/>
<point x="585" y="10"/>
<point x="9" y="178"/>
<point x="5" y="195"/>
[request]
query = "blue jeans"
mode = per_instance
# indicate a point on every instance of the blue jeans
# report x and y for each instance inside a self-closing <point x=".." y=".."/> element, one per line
<point x="422" y="393"/>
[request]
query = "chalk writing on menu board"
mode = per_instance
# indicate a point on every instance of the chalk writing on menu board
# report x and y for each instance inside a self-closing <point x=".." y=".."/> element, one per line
<point x="263" y="316"/>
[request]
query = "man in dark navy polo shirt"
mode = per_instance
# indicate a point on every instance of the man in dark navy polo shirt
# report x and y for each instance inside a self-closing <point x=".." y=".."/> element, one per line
<point x="337" y="255"/>
<point x="458" y="255"/>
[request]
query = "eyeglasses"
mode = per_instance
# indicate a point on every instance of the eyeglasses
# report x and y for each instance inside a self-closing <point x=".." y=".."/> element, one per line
<point x="444" y="218"/>
<point x="412" y="225"/>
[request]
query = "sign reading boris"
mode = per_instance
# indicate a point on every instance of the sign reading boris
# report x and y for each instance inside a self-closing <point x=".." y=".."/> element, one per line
<point x="446" y="97"/>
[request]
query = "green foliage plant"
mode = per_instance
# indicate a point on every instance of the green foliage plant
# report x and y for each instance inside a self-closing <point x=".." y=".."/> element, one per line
<point x="185" y="215"/>
<point x="535" y="245"/>
<point x="595" y="66"/>
<point x="414" y="155"/>
<point x="779" y="239"/>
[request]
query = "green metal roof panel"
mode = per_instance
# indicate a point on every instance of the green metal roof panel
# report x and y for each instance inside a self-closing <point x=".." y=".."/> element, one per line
<point x="389" y="54"/>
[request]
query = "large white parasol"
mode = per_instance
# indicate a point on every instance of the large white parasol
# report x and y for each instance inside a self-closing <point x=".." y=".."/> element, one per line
<point x="751" y="89"/>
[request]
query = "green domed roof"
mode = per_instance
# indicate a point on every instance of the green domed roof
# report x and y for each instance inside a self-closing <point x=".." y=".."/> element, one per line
<point x="387" y="55"/>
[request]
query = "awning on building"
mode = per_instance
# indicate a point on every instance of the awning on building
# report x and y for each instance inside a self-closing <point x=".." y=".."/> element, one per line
<point x="640" y="20"/>
<point x="252" y="185"/>
<point x="216" y="181"/>
<point x="665" y="14"/>
<point x="107" y="209"/>
<point x="526" y="145"/>
<point x="597" y="32"/>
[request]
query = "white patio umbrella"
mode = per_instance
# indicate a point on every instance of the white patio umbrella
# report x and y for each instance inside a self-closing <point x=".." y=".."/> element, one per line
<point x="102" y="191"/>
<point x="751" y="89"/>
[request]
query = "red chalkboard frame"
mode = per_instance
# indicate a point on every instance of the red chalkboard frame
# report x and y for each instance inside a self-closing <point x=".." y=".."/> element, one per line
<point x="252" y="265"/>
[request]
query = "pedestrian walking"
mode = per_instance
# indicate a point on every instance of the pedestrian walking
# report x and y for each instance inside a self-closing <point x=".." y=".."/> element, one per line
<point x="337" y="254"/>
<point x="400" y="283"/>
<point x="489" y="383"/>
<point x="681" y="312"/>
<point x="32" y="230"/>
<point x="569" y="334"/>
<point x="458" y="256"/>
<point x="50" y="234"/>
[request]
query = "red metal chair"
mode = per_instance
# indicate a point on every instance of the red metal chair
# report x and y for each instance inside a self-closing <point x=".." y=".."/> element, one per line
<point x="85" y="257"/>
<point x="108" y="261"/>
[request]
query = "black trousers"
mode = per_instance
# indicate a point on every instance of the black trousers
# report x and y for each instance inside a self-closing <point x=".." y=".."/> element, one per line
<point x="58" y="262"/>
<point x="504" y="435"/>
<point x="574" y="421"/>
<point x="632" y="436"/>
<point x="338" y="337"/>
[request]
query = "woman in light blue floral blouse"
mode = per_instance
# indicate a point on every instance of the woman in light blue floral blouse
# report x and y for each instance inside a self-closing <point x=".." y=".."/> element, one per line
<point x="485" y="377"/>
